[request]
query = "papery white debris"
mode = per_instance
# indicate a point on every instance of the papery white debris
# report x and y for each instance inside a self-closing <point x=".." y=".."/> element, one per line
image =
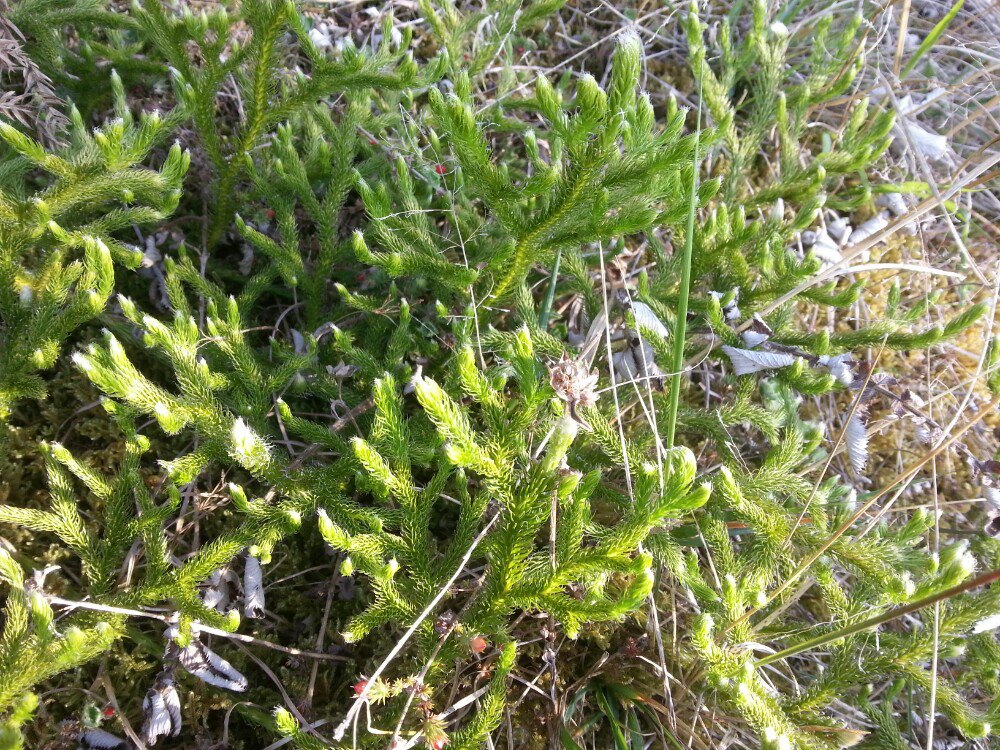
<point x="757" y="333"/>
<point x="825" y="248"/>
<point x="638" y="362"/>
<point x="162" y="710"/>
<point x="341" y="371"/>
<point x="753" y="338"/>
<point x="928" y="434"/>
<point x="98" y="739"/>
<point x="987" y="623"/>
<point x="821" y="245"/>
<point x="746" y="361"/>
<point x="991" y="494"/>
<point x="151" y="255"/>
<point x="151" y="268"/>
<point x="219" y="593"/>
<point x="839" y="366"/>
<point x="906" y="407"/>
<point x="856" y="439"/>
<point x="253" y="588"/>
<point x="895" y="202"/>
<point x="319" y="36"/>
<point x="882" y="379"/>
<point x="646" y="318"/>
<point x="246" y="260"/>
<point x="839" y="230"/>
<point x="933" y="146"/>
<point x="731" y="310"/>
<point x="871" y="227"/>
<point x="203" y="663"/>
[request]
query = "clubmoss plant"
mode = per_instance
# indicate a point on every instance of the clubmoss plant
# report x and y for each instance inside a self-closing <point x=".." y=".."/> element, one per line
<point x="499" y="370"/>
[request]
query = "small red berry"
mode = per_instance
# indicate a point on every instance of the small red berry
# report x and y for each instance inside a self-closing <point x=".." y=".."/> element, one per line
<point x="372" y="141"/>
<point x="439" y="168"/>
<point x="359" y="686"/>
<point x="478" y="644"/>
<point x="270" y="213"/>
<point x="108" y="712"/>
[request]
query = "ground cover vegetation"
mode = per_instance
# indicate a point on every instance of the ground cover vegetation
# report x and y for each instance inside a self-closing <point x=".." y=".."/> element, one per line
<point x="498" y="374"/>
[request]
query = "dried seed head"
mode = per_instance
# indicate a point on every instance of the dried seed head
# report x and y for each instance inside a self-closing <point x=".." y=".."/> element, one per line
<point x="574" y="384"/>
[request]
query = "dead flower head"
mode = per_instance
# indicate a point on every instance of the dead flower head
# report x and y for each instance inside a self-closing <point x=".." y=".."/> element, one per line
<point x="575" y="385"/>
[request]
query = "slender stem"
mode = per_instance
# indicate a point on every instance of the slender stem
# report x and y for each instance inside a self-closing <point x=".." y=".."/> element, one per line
<point x="543" y="315"/>
<point x="680" y="323"/>
<point x="871" y="622"/>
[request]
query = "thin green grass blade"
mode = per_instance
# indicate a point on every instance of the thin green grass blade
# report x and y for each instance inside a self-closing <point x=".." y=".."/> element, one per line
<point x="677" y="365"/>
<point x="543" y="315"/>
<point x="931" y="39"/>
<point x="610" y="711"/>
